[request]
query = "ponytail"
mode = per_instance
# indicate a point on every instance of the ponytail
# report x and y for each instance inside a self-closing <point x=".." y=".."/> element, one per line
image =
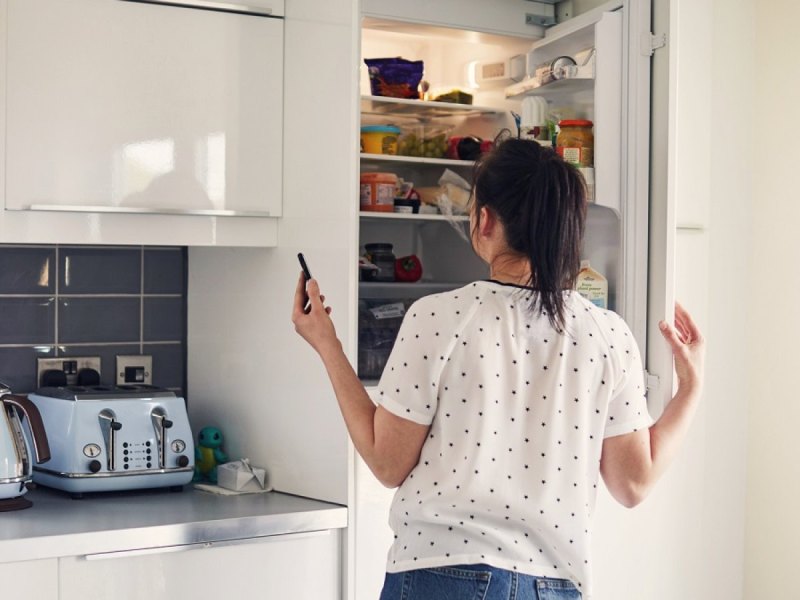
<point x="541" y="202"/>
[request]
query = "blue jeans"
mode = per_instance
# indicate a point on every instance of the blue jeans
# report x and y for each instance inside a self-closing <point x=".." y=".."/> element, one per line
<point x="474" y="582"/>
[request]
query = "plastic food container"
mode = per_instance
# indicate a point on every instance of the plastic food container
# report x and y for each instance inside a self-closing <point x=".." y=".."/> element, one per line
<point x="379" y="139"/>
<point x="424" y="141"/>
<point x="575" y="142"/>
<point x="455" y="96"/>
<point x="406" y="205"/>
<point x="377" y="191"/>
<point x="379" y="322"/>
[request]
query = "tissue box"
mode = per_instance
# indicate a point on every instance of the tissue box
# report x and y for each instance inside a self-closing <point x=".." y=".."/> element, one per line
<point x="241" y="477"/>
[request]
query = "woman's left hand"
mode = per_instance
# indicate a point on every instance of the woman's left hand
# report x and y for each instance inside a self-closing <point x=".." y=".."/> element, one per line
<point x="313" y="324"/>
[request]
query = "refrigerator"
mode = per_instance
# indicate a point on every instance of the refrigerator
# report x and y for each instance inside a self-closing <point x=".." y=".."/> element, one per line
<point x="600" y="62"/>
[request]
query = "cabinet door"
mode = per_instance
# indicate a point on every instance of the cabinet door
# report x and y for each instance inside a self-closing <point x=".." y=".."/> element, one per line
<point x="30" y="579"/>
<point x="136" y="107"/>
<point x="297" y="566"/>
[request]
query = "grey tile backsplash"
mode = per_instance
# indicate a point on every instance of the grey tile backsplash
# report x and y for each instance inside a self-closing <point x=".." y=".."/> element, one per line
<point x="92" y="301"/>
<point x="84" y="320"/>
<point x="27" y="320"/>
<point x="110" y="271"/>
<point x="27" y="270"/>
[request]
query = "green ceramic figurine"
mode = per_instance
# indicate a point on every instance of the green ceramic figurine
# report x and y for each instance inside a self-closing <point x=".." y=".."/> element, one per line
<point x="208" y="454"/>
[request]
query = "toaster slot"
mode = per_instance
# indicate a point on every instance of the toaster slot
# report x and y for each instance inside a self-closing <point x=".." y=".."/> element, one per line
<point x="109" y="426"/>
<point x="160" y="424"/>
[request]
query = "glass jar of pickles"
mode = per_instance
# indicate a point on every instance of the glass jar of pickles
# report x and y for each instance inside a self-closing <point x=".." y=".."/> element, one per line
<point x="575" y="142"/>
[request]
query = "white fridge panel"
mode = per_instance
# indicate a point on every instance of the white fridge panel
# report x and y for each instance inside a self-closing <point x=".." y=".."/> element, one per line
<point x="661" y="259"/>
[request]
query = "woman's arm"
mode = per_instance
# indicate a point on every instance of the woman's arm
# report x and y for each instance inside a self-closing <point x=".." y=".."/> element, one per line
<point x="632" y="463"/>
<point x="389" y="445"/>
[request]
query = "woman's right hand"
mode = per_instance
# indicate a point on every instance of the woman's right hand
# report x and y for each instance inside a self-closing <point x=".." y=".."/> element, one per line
<point x="313" y="324"/>
<point x="688" y="347"/>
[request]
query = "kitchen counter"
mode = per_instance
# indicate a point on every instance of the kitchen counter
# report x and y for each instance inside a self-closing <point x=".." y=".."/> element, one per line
<point x="58" y="526"/>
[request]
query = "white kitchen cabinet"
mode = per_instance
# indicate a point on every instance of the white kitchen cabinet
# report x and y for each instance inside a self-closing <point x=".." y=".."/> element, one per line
<point x="136" y="109"/>
<point x="30" y="579"/>
<point x="290" y="566"/>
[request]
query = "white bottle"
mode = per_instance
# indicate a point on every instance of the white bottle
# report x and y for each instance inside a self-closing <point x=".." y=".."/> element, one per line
<point x="592" y="285"/>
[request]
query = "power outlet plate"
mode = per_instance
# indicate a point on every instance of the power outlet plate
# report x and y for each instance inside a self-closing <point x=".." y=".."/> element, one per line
<point x="134" y="368"/>
<point x="71" y="365"/>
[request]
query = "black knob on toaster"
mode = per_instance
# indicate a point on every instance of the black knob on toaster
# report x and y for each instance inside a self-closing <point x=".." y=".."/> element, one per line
<point x="183" y="460"/>
<point x="167" y="423"/>
<point x="116" y="425"/>
<point x="95" y="466"/>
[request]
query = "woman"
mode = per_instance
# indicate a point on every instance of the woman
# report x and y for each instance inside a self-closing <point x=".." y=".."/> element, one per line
<point x="504" y="401"/>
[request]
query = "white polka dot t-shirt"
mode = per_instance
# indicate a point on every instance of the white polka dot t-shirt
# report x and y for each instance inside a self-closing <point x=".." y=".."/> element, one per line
<point x="509" y="472"/>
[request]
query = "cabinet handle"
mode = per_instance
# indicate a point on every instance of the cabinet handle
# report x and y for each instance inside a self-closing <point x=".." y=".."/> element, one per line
<point x="229" y="7"/>
<point x="205" y="545"/>
<point x="142" y="210"/>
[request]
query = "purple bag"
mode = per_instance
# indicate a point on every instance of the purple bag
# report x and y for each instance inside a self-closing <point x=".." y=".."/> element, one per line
<point x="394" y="77"/>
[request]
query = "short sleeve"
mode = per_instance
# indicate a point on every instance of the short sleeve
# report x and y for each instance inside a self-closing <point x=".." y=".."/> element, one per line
<point x="627" y="410"/>
<point x="409" y="385"/>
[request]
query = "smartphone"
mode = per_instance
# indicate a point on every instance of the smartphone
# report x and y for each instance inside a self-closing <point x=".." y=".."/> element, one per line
<point x="307" y="275"/>
<point x="303" y="264"/>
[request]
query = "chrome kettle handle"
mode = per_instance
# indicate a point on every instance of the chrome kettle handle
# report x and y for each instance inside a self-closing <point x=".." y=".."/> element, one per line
<point x="41" y="447"/>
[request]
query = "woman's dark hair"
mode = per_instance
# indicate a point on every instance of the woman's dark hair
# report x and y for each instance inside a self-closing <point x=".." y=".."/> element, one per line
<point x="541" y="202"/>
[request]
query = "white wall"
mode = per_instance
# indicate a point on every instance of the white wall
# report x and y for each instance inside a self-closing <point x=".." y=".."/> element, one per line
<point x="773" y="526"/>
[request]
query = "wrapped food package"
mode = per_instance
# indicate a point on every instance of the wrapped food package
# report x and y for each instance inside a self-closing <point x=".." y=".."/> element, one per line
<point x="394" y="77"/>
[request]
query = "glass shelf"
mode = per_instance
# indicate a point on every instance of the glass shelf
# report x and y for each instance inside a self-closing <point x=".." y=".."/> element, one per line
<point x="421" y="109"/>
<point x="554" y="89"/>
<point x="392" y="289"/>
<point x="416" y="159"/>
<point x="393" y="216"/>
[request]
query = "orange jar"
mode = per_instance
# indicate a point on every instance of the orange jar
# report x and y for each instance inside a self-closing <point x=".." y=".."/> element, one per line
<point x="377" y="191"/>
<point x="575" y="142"/>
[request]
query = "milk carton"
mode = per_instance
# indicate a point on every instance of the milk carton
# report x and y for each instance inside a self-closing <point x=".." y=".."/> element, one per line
<point x="592" y="285"/>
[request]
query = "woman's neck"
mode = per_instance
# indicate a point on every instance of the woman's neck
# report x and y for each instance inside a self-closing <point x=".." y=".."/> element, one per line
<point x="510" y="269"/>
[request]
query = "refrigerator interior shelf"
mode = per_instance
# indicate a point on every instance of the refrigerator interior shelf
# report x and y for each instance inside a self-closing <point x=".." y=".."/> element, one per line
<point x="416" y="159"/>
<point x="421" y="109"/>
<point x="392" y="216"/>
<point x="554" y="89"/>
<point x="392" y="289"/>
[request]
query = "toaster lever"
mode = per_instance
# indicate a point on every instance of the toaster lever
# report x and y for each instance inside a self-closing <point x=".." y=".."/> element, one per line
<point x="160" y="424"/>
<point x="109" y="426"/>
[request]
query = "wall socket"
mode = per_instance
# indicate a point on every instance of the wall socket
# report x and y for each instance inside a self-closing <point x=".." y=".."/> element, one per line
<point x="134" y="368"/>
<point x="70" y="365"/>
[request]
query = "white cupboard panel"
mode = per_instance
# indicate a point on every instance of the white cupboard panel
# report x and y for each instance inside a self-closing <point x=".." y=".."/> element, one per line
<point x="696" y="137"/>
<point x="30" y="579"/>
<point x="132" y="106"/>
<point x="303" y="566"/>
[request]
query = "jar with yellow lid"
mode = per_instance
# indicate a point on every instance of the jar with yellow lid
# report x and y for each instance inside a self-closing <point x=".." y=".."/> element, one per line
<point x="575" y="142"/>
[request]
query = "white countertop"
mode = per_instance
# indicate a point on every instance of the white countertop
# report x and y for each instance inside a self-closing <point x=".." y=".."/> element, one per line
<point x="57" y="525"/>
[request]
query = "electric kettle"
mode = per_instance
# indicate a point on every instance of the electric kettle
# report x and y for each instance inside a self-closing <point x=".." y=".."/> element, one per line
<point x="16" y="467"/>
